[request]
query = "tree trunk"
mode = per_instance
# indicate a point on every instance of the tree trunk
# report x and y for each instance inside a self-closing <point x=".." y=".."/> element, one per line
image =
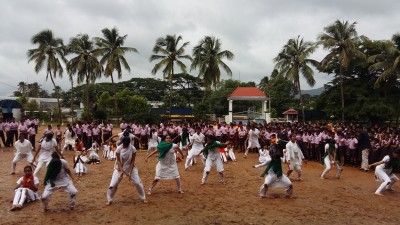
<point x="87" y="108"/>
<point x="58" y="98"/>
<point x="114" y="91"/>
<point x="170" y="92"/>
<point x="302" y="104"/>
<point x="341" y="91"/>
<point x="72" y="97"/>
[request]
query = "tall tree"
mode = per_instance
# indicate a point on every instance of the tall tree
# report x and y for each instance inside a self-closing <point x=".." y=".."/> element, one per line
<point x="168" y="52"/>
<point x="22" y="88"/>
<point x="340" y="38"/>
<point x="50" y="53"/>
<point x="388" y="60"/>
<point x="293" y="60"/>
<point x="85" y="65"/>
<point x="207" y="58"/>
<point x="112" y="51"/>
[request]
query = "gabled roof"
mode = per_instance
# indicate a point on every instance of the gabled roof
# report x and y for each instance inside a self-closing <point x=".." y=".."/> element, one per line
<point x="247" y="93"/>
<point x="290" y="112"/>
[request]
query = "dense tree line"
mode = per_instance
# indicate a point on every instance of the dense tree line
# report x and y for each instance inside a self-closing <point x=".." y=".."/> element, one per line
<point x="365" y="86"/>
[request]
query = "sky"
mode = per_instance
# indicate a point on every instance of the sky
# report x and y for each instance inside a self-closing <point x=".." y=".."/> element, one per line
<point x="254" y="30"/>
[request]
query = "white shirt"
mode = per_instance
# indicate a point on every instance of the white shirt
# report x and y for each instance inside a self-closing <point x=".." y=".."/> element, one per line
<point x="23" y="147"/>
<point x="125" y="157"/>
<point x="46" y="149"/>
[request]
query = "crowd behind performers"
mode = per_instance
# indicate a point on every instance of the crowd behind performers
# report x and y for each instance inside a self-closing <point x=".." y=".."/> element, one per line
<point x="354" y="141"/>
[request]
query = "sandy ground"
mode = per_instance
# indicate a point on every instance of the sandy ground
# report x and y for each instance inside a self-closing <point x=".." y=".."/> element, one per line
<point x="349" y="200"/>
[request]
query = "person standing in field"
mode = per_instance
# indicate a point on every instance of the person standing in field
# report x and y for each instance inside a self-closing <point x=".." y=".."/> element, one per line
<point x="125" y="165"/>
<point x="23" y="151"/>
<point x="167" y="167"/>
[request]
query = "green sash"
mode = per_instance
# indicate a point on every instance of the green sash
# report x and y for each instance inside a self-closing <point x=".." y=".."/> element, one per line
<point x="211" y="147"/>
<point x="163" y="147"/>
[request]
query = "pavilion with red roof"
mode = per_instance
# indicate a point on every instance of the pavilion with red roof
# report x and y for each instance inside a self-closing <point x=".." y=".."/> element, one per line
<point x="249" y="94"/>
<point x="291" y="115"/>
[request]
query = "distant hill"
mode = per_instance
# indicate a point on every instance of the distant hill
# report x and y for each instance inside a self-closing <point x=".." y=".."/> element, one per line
<point x="313" y="92"/>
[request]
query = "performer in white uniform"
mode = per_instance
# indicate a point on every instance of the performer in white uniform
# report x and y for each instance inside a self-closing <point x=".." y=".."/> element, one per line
<point x="26" y="189"/>
<point x="385" y="171"/>
<point x="331" y="157"/>
<point x="153" y="141"/>
<point x="211" y="152"/>
<point x="294" y="157"/>
<point x="46" y="147"/>
<point x="275" y="177"/>
<point x="253" y="142"/>
<point x="23" y="151"/>
<point x="167" y="167"/>
<point x="69" y="139"/>
<point x="264" y="155"/>
<point x="197" y="141"/>
<point x="125" y="165"/>
<point x="80" y="161"/>
<point x="58" y="176"/>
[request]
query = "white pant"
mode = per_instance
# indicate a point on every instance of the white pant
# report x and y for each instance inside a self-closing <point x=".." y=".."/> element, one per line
<point x="231" y="154"/>
<point x="328" y="167"/>
<point x="273" y="181"/>
<point x="296" y="167"/>
<point x="22" y="194"/>
<point x="39" y="166"/>
<point x="18" y="157"/>
<point x="116" y="179"/>
<point x="190" y="158"/>
<point x="48" y="191"/>
<point x="217" y="162"/>
<point x="80" y="168"/>
<point x="388" y="180"/>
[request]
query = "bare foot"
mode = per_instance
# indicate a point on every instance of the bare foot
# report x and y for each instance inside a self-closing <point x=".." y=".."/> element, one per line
<point x="377" y="193"/>
<point x="144" y="201"/>
<point x="13" y="208"/>
<point x="149" y="193"/>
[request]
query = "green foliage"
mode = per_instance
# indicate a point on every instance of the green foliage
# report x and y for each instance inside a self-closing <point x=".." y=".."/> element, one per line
<point x="281" y="92"/>
<point x="201" y="111"/>
<point x="129" y="103"/>
<point x="32" y="105"/>
<point x="23" y="100"/>
<point x="176" y="100"/>
<point x="207" y="59"/>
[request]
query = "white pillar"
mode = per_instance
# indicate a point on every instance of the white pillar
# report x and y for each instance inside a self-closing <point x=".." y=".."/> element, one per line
<point x="230" y="112"/>
<point x="263" y="109"/>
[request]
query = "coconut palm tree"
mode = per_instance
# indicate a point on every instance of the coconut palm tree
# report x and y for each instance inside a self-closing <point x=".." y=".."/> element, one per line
<point x="168" y="52"/>
<point x="293" y="60"/>
<point x="110" y="48"/>
<point x="388" y="61"/>
<point x="23" y="88"/>
<point x="340" y="39"/>
<point x="85" y="65"/>
<point x="207" y="58"/>
<point x="50" y="53"/>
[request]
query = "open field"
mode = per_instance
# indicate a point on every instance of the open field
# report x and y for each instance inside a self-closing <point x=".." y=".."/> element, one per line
<point x="349" y="200"/>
